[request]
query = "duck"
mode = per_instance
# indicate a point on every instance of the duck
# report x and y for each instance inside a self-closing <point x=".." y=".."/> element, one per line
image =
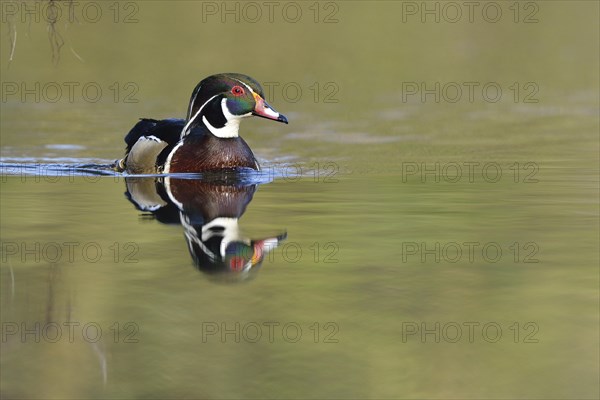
<point x="209" y="212"/>
<point x="208" y="138"/>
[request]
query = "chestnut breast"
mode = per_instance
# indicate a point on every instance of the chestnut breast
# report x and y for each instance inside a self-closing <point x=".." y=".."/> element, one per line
<point x="200" y="153"/>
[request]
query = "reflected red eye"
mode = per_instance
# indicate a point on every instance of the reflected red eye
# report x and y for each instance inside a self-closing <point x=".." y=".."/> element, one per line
<point x="236" y="263"/>
<point x="237" y="90"/>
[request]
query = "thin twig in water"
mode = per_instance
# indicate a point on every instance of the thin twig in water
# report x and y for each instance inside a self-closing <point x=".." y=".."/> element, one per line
<point x="56" y="39"/>
<point x="70" y="46"/>
<point x="12" y="37"/>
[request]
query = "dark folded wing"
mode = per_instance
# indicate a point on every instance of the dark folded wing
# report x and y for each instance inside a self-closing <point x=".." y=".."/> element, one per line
<point x="167" y="130"/>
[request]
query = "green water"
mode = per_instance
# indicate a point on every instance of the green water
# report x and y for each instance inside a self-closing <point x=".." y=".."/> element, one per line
<point x="436" y="247"/>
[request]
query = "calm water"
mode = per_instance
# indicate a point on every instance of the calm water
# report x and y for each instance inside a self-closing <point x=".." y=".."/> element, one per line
<point x="425" y="227"/>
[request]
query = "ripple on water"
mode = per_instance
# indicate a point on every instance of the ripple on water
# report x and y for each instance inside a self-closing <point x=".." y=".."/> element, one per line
<point x="65" y="147"/>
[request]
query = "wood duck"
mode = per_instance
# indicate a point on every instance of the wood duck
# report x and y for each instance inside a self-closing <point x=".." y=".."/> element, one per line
<point x="209" y="213"/>
<point x="208" y="139"/>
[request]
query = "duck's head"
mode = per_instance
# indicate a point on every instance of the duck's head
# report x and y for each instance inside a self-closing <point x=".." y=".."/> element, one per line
<point x="220" y="101"/>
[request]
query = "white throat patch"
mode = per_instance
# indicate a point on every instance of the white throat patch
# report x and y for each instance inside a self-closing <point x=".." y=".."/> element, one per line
<point x="232" y="126"/>
<point x="230" y="233"/>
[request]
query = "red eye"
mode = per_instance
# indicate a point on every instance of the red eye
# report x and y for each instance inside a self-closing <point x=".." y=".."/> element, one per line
<point x="237" y="91"/>
<point x="236" y="263"/>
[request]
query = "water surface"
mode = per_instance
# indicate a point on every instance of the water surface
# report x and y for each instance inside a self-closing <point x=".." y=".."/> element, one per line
<point x="395" y="246"/>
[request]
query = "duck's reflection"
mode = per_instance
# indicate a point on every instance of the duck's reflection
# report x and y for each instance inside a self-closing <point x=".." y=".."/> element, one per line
<point x="209" y="213"/>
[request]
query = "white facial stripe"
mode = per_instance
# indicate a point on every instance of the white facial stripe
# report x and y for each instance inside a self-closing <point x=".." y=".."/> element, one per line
<point x="228" y="115"/>
<point x="186" y="127"/>
<point x="233" y="120"/>
<point x="268" y="111"/>
<point x="232" y="126"/>
<point x="248" y="87"/>
<point x="230" y="233"/>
